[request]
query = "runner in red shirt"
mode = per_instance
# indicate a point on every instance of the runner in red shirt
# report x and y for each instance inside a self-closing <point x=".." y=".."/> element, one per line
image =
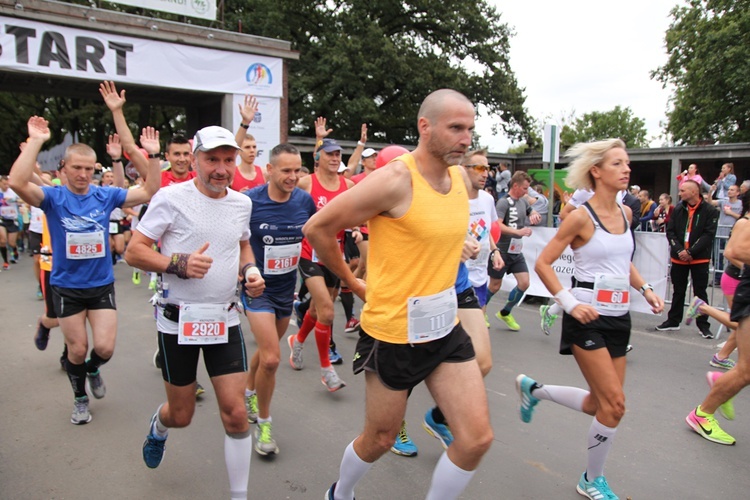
<point x="248" y="174"/>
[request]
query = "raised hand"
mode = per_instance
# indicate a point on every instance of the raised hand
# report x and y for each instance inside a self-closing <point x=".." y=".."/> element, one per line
<point x="114" y="147"/>
<point x="38" y="128"/>
<point x="112" y="99"/>
<point x="320" y="128"/>
<point x="150" y="140"/>
<point x="248" y="109"/>
<point x="363" y="133"/>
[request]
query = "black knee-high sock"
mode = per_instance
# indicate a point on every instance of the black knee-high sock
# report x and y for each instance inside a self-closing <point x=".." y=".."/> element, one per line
<point x="303" y="307"/>
<point x="77" y="376"/>
<point x="4" y="252"/>
<point x="302" y="291"/>
<point x="438" y="416"/>
<point x="94" y="362"/>
<point x="347" y="300"/>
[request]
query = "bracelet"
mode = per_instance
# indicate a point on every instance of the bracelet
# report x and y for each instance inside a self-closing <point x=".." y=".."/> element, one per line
<point x="154" y="155"/>
<point x="178" y="265"/>
<point x="494" y="250"/>
<point x="360" y="143"/>
<point x="646" y="287"/>
<point x="116" y="160"/>
<point x="245" y="125"/>
<point x="566" y="300"/>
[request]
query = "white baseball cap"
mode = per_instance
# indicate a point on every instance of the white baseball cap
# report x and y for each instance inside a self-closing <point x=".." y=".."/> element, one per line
<point x="368" y="153"/>
<point x="342" y="167"/>
<point x="213" y="137"/>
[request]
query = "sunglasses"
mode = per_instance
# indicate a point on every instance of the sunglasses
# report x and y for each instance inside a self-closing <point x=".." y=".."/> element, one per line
<point x="478" y="167"/>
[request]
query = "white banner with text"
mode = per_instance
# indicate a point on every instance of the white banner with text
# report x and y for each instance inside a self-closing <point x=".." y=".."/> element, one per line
<point x="203" y="9"/>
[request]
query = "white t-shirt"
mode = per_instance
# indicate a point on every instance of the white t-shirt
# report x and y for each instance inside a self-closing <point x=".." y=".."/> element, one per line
<point x="184" y="219"/>
<point x="581" y="196"/>
<point x="482" y="214"/>
<point x="35" y="222"/>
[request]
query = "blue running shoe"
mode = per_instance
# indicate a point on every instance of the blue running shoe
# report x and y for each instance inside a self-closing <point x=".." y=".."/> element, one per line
<point x="598" y="489"/>
<point x="528" y="402"/>
<point x="404" y="446"/>
<point x="297" y="313"/>
<point x="439" y="431"/>
<point x="334" y="357"/>
<point x="153" y="447"/>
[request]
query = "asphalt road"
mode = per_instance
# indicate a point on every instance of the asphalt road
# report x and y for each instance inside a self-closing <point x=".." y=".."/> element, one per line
<point x="43" y="456"/>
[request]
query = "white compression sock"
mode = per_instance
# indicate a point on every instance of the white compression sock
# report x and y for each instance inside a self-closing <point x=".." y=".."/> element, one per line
<point x="448" y="480"/>
<point x="351" y="471"/>
<point x="554" y="309"/>
<point x="599" y="441"/>
<point x="572" y="397"/>
<point x="238" y="448"/>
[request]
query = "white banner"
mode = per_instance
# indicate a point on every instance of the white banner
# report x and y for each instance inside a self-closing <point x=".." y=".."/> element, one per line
<point x="651" y="259"/>
<point x="50" y="159"/>
<point x="204" y="9"/>
<point x="265" y="127"/>
<point x="30" y="46"/>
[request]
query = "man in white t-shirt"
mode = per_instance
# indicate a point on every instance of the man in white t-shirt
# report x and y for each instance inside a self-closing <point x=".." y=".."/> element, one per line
<point x="197" y="310"/>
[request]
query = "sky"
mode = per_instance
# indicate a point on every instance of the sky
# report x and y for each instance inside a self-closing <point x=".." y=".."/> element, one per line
<point x="586" y="55"/>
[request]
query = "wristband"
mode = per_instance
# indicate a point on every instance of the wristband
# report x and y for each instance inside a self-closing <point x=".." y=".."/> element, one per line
<point x="566" y="300"/>
<point x="116" y="160"/>
<point x="494" y="250"/>
<point x="245" y="125"/>
<point x="250" y="269"/>
<point x="645" y="287"/>
<point x="154" y="155"/>
<point x="178" y="265"/>
<point x="360" y="143"/>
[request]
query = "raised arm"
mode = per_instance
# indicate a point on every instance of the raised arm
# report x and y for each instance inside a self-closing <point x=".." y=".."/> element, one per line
<point x="247" y="112"/>
<point x="22" y="171"/>
<point x="151" y="173"/>
<point x="351" y="165"/>
<point x="321" y="132"/>
<point x="114" y="150"/>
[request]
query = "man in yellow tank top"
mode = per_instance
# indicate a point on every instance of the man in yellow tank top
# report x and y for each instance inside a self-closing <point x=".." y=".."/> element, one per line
<point x="417" y="208"/>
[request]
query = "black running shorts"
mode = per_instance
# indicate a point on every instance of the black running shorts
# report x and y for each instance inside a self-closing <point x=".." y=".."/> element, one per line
<point x="309" y="269"/>
<point x="741" y="304"/>
<point x="70" y="301"/>
<point x="612" y="332"/>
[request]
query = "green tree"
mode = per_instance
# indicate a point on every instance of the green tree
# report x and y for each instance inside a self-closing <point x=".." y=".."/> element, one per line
<point x="373" y="61"/>
<point x="708" y="43"/>
<point x="619" y="122"/>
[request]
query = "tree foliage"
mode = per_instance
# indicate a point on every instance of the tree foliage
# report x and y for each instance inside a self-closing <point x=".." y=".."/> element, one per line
<point x="373" y="61"/>
<point x="597" y="125"/>
<point x="708" y="43"/>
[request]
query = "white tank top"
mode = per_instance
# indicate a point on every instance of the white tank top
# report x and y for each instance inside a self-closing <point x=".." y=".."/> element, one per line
<point x="605" y="253"/>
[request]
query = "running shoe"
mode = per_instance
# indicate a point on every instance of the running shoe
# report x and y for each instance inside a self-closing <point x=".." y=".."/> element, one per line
<point x="726" y="408"/>
<point x="153" y="447"/>
<point x="199" y="390"/>
<point x="42" y="335"/>
<point x="295" y="358"/>
<point x="152" y="285"/>
<point x="331" y="379"/>
<point x="6" y="266"/>
<point x="251" y="405"/>
<point x="39" y="294"/>
<point x="668" y="326"/>
<point x="629" y="348"/>
<point x="81" y="413"/>
<point x="693" y="310"/>
<point x="706" y="332"/>
<point x="509" y="320"/>
<point x="441" y="432"/>
<point x="352" y="325"/>
<point x="404" y="446"/>
<point x="547" y="319"/>
<point x="264" y="443"/>
<point x="157" y="359"/>
<point x="96" y="384"/>
<point x="297" y="313"/>
<point x="708" y="428"/>
<point x="598" y="489"/>
<point x="528" y="402"/>
<point x="334" y="357"/>
<point x="330" y="493"/>
<point x="487" y="320"/>
<point x="13" y="259"/>
<point x="136" y="277"/>
<point x="726" y="364"/>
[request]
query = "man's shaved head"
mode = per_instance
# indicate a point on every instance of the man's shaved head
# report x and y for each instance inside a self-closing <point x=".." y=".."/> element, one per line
<point x="433" y="104"/>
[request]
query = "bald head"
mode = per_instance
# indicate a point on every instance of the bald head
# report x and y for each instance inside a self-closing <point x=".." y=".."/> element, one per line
<point x="435" y="103"/>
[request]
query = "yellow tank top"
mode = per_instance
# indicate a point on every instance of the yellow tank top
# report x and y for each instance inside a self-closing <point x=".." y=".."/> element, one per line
<point x="415" y="255"/>
<point x="45" y="259"/>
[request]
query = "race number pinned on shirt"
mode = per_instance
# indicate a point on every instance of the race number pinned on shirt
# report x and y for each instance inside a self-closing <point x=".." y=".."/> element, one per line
<point x="79" y="246"/>
<point x="8" y="212"/>
<point x="431" y="317"/>
<point x="611" y="292"/>
<point x="203" y="324"/>
<point x="281" y="259"/>
<point x="516" y="246"/>
<point x="113" y="227"/>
